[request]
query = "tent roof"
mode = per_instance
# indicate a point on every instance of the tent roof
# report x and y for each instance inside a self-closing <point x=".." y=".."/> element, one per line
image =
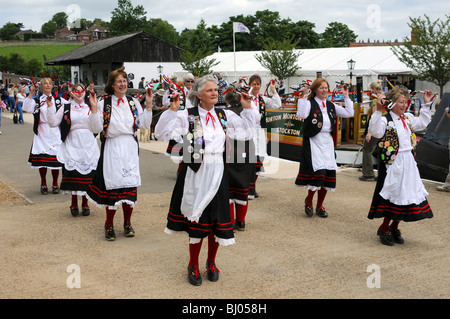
<point x="329" y="61"/>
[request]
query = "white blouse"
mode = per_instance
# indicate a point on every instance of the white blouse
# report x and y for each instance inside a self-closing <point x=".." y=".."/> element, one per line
<point x="122" y="119"/>
<point x="378" y="123"/>
<point x="201" y="187"/>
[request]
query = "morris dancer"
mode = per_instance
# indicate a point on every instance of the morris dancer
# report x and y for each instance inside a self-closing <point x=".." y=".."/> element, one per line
<point x="317" y="161"/>
<point x="200" y="199"/>
<point x="241" y="167"/>
<point x="79" y="150"/>
<point x="46" y="139"/>
<point x="117" y="118"/>
<point x="399" y="194"/>
<point x="259" y="104"/>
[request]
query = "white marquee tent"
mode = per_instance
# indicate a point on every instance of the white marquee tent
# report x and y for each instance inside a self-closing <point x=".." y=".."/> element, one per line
<point x="372" y="63"/>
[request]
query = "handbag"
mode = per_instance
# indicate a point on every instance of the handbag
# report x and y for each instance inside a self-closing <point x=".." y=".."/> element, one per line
<point x="15" y="118"/>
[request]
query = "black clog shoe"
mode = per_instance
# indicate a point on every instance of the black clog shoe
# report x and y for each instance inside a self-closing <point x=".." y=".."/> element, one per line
<point x="321" y="212"/>
<point x="385" y="237"/>
<point x="74" y="210"/>
<point x="110" y="235"/>
<point x="397" y="236"/>
<point x="194" y="276"/>
<point x="308" y="209"/>
<point x="212" y="271"/>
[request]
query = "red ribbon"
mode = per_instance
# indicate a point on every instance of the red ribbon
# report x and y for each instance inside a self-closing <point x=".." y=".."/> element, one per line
<point x="208" y="117"/>
<point x="403" y="121"/>
<point x="120" y="100"/>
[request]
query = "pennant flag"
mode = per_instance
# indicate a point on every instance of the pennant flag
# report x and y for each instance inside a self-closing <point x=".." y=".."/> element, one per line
<point x="240" y="27"/>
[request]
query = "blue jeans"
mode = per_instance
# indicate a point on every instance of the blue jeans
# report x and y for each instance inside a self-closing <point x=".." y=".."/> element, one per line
<point x="19" y="109"/>
<point x="11" y="102"/>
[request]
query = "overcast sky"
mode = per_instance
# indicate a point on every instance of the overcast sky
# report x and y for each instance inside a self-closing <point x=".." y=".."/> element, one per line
<point x="374" y="20"/>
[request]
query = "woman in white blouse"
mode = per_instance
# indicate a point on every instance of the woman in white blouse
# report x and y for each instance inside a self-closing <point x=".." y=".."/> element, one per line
<point x="46" y="139"/>
<point x="399" y="194"/>
<point x="117" y="118"/>
<point x="79" y="151"/>
<point x="200" y="200"/>
<point x="317" y="161"/>
<point x="261" y="103"/>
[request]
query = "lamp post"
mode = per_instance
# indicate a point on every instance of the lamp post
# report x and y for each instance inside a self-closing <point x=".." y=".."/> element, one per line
<point x="351" y="67"/>
<point x="160" y="71"/>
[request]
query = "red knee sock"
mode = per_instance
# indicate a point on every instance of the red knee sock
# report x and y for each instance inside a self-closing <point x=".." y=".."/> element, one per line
<point x="74" y="201"/>
<point x="232" y="212"/>
<point x="385" y="225"/>
<point x="241" y="212"/>
<point x="110" y="215"/>
<point x="321" y="197"/>
<point x="213" y="246"/>
<point x="43" y="173"/>
<point x="394" y="224"/>
<point x="84" y="201"/>
<point x="309" y="198"/>
<point x="194" y="252"/>
<point x="55" y="175"/>
<point x="127" y="211"/>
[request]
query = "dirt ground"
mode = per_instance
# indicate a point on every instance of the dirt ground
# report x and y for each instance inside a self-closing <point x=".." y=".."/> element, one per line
<point x="282" y="254"/>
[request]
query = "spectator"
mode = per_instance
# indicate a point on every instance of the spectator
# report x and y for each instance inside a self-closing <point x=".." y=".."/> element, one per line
<point x="20" y="98"/>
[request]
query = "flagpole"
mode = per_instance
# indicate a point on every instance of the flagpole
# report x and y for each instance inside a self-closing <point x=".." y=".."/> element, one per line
<point x="234" y="50"/>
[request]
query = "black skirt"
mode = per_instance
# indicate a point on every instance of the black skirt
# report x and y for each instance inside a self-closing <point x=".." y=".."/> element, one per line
<point x="44" y="160"/>
<point x="215" y="218"/>
<point x="74" y="181"/>
<point x="307" y="175"/>
<point x="381" y="207"/>
<point x="241" y="170"/>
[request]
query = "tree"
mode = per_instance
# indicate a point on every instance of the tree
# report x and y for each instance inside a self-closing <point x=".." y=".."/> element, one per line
<point x="60" y="20"/>
<point x="197" y="63"/>
<point x="337" y="35"/>
<point x="427" y="52"/>
<point x="280" y="58"/>
<point x="49" y="28"/>
<point x="163" y="30"/>
<point x="126" y="18"/>
<point x="9" y="30"/>
<point x="303" y="31"/>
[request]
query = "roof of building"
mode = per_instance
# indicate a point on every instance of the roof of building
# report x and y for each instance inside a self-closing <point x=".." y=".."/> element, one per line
<point x="95" y="52"/>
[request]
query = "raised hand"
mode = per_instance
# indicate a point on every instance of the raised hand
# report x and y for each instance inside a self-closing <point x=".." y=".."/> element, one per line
<point x="175" y="102"/>
<point x="93" y="101"/>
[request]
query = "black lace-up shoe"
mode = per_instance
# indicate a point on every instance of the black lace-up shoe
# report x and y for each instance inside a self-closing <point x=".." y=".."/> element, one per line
<point x="194" y="276"/>
<point x="385" y="237"/>
<point x="212" y="271"/>
<point x="110" y="235"/>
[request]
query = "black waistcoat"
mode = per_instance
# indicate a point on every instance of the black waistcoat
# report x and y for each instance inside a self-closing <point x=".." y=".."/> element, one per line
<point x="312" y="125"/>
<point x="194" y="142"/>
<point x="37" y="111"/>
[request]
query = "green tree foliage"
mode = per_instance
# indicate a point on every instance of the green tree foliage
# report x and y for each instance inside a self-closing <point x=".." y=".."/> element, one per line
<point x="9" y="30"/>
<point x="49" y="28"/>
<point x="163" y="30"/>
<point x="337" y="35"/>
<point x="60" y="20"/>
<point x="126" y="18"/>
<point x="197" y="63"/>
<point x="280" y="58"/>
<point x="427" y="52"/>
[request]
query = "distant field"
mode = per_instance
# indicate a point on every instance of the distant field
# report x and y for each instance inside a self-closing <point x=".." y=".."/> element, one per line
<point x="36" y="49"/>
